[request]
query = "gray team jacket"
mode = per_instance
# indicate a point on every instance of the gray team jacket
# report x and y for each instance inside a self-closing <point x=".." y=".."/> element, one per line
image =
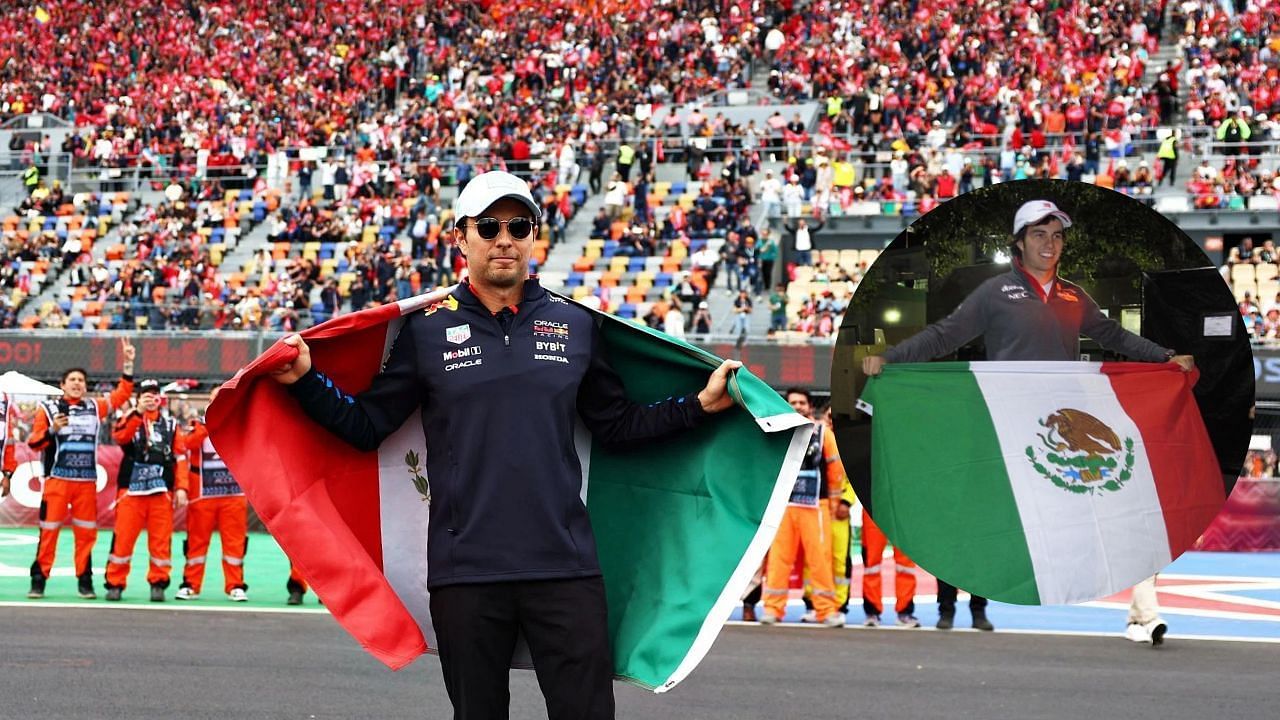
<point x="1017" y="324"/>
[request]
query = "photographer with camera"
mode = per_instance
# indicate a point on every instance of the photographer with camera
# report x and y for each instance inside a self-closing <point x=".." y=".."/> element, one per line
<point x="66" y="432"/>
<point x="153" y="481"/>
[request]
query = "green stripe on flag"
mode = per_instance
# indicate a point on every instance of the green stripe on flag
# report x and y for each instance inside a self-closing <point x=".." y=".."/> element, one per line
<point x="955" y="516"/>
<point x="673" y="523"/>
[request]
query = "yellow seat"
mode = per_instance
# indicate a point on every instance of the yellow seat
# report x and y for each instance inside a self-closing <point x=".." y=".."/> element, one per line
<point x="618" y="264"/>
<point x="581" y="292"/>
<point x="344" y="282"/>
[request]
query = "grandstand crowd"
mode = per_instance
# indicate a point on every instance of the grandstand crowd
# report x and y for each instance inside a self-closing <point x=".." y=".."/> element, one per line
<point x="330" y="135"/>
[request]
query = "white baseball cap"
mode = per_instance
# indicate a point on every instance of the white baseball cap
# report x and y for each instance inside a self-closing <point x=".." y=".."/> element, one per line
<point x="488" y="188"/>
<point x="1033" y="212"/>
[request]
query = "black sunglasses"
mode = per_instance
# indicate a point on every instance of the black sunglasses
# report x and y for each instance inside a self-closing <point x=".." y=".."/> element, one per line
<point x="519" y="227"/>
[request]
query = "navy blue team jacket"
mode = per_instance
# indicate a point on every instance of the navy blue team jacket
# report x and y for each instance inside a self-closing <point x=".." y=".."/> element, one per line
<point x="499" y="397"/>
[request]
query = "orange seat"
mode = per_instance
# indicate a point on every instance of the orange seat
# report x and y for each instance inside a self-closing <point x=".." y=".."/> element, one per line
<point x="635" y="295"/>
<point x="540" y="254"/>
<point x="30" y="322"/>
<point x="670" y="265"/>
<point x="584" y="264"/>
<point x="609" y="279"/>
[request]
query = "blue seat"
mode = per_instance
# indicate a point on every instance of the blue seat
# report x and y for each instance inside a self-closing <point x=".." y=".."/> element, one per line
<point x="246" y="194"/>
<point x="217" y="235"/>
<point x="386" y="232"/>
<point x="64" y="305"/>
<point x="627" y="310"/>
<point x="76" y="322"/>
<point x="574" y="280"/>
<point x="662" y="279"/>
<point x="610" y="248"/>
<point x="259" y="211"/>
<point x="696" y="244"/>
<point x="343" y="264"/>
<point x="678" y="188"/>
<point x="326" y="250"/>
<point x="50" y="222"/>
<point x="635" y="265"/>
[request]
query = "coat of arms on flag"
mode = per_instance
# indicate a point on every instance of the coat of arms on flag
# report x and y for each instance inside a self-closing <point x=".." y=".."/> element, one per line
<point x="1086" y="454"/>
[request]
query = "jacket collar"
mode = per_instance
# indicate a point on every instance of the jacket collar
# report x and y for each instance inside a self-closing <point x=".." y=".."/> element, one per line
<point x="533" y="291"/>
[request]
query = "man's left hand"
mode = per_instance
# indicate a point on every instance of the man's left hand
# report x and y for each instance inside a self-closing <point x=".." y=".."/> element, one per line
<point x="715" y="396"/>
<point x="1186" y="362"/>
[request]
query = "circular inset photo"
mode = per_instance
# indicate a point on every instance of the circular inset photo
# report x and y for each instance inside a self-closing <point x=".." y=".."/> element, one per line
<point x="1042" y="392"/>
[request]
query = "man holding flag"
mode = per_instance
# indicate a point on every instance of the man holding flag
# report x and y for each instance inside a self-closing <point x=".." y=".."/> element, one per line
<point x="1029" y="313"/>
<point x="502" y="372"/>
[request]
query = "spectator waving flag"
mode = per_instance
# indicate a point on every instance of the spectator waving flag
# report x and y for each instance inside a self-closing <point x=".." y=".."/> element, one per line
<point x="42" y="15"/>
<point x="1040" y="482"/>
<point x="680" y="528"/>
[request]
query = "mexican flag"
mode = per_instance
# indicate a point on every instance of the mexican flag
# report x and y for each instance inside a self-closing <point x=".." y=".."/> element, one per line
<point x="1040" y="482"/>
<point x="680" y="527"/>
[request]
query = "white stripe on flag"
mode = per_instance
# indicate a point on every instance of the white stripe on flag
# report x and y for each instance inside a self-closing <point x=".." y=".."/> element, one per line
<point x="731" y="595"/>
<point x="403" y="514"/>
<point x="1129" y="519"/>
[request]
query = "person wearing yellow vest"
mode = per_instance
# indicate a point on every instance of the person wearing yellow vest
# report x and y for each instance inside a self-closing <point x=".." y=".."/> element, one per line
<point x="31" y="178"/>
<point x="841" y="532"/>
<point x="153" y="481"/>
<point x="215" y="502"/>
<point x="626" y="157"/>
<point x="1168" y="157"/>
<point x="805" y="524"/>
<point x="65" y="430"/>
<point x="835" y="104"/>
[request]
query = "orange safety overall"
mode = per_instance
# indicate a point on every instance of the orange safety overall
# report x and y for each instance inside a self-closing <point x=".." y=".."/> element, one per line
<point x="154" y="465"/>
<point x="805" y="524"/>
<point x="904" y="584"/>
<point x="217" y="502"/>
<point x="71" y="469"/>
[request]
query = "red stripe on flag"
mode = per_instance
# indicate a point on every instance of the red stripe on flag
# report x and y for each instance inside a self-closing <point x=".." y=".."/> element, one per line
<point x="317" y="495"/>
<point x="1157" y="396"/>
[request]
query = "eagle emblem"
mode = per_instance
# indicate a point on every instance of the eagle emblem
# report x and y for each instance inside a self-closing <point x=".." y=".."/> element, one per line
<point x="1081" y="454"/>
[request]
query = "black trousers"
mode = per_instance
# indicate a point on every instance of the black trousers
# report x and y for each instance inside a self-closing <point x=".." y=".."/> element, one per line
<point x="947" y="599"/>
<point x="566" y="625"/>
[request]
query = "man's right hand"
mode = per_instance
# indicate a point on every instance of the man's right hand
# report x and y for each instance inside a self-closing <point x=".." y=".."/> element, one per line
<point x="289" y="373"/>
<point x="872" y="365"/>
<point x="60" y="421"/>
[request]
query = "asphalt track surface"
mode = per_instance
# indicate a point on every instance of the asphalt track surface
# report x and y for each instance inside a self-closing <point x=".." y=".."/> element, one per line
<point x="97" y="662"/>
